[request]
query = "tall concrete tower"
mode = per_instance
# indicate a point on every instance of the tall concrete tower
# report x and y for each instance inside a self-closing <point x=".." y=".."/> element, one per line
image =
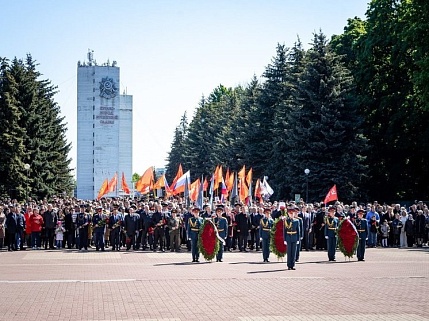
<point x="104" y="128"/>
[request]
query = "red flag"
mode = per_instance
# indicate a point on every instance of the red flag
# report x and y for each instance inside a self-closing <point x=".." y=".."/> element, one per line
<point x="332" y="195"/>
<point x="244" y="191"/>
<point x="145" y="183"/>
<point x="193" y="191"/>
<point x="242" y="172"/>
<point x="124" y="184"/>
<point x="178" y="175"/>
<point x="258" y="190"/>
<point x="205" y="185"/>
<point x="249" y="177"/>
<point x="218" y="176"/>
<point x="103" y="189"/>
<point x="229" y="180"/>
<point x="112" y="184"/>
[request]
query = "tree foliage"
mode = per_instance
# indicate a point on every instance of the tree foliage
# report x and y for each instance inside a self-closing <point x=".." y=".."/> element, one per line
<point x="32" y="132"/>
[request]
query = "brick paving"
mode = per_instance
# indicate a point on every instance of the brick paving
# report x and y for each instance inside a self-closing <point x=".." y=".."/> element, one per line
<point x="392" y="284"/>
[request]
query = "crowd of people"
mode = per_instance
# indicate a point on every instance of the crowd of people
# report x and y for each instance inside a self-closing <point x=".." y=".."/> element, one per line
<point x="117" y="224"/>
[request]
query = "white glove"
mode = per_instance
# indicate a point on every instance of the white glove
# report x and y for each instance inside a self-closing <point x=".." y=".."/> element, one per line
<point x="189" y="239"/>
<point x="297" y="242"/>
<point x="260" y="239"/>
<point x="326" y="237"/>
<point x="366" y="239"/>
<point x="284" y="242"/>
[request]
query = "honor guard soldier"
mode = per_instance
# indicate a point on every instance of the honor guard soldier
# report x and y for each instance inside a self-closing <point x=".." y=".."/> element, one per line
<point x="265" y="226"/>
<point x="362" y="229"/>
<point x="292" y="235"/>
<point x="194" y="224"/>
<point x="331" y="226"/>
<point x="222" y="228"/>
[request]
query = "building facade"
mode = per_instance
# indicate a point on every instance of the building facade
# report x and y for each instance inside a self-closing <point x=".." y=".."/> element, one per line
<point x="104" y="128"/>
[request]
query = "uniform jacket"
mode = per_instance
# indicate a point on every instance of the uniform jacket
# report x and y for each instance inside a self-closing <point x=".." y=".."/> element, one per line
<point x="265" y="225"/>
<point x="362" y="228"/>
<point x="292" y="230"/>
<point x="194" y="224"/>
<point x="222" y="226"/>
<point x="331" y="226"/>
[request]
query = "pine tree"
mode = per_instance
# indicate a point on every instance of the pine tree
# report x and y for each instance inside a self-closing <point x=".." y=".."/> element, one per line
<point x="13" y="178"/>
<point x="176" y="154"/>
<point x="324" y="125"/>
<point x="42" y="132"/>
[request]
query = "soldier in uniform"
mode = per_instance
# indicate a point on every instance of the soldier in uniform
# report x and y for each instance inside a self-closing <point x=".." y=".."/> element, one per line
<point x="159" y="233"/>
<point x="131" y="227"/>
<point x="99" y="225"/>
<point x="82" y="223"/>
<point x="194" y="224"/>
<point x="174" y="223"/>
<point x="265" y="226"/>
<point x="292" y="235"/>
<point x="115" y="224"/>
<point x="222" y="228"/>
<point x="362" y="229"/>
<point x="331" y="226"/>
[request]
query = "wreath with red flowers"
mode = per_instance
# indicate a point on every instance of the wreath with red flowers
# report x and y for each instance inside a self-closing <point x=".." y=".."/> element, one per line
<point x="277" y="245"/>
<point x="348" y="238"/>
<point x="208" y="242"/>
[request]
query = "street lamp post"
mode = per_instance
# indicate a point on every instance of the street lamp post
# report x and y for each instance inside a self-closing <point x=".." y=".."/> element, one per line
<point x="27" y="168"/>
<point x="306" y="171"/>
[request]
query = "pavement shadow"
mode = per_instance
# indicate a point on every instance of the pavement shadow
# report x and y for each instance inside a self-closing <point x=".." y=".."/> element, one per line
<point x="266" y="271"/>
<point x="180" y="263"/>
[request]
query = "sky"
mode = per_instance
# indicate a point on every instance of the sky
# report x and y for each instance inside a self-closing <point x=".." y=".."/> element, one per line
<point x="170" y="52"/>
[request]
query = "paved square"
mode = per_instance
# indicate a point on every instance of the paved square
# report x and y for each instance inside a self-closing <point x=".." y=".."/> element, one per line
<point x="392" y="284"/>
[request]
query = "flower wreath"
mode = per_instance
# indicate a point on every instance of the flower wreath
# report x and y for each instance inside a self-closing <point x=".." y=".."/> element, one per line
<point x="348" y="237"/>
<point x="208" y="243"/>
<point x="277" y="245"/>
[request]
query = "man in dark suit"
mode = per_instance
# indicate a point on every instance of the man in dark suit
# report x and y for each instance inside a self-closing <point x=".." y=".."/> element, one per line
<point x="243" y="227"/>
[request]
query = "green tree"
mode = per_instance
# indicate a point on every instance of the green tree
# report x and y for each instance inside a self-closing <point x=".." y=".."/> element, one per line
<point x="42" y="131"/>
<point x="176" y="154"/>
<point x="323" y="133"/>
<point x="13" y="178"/>
<point x="395" y="122"/>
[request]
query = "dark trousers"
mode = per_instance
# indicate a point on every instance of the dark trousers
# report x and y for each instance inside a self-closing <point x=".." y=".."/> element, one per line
<point x="305" y="244"/>
<point x="35" y="239"/>
<point x="194" y="248"/>
<point x="13" y="243"/>
<point x="49" y="238"/>
<point x="332" y="246"/>
<point x="159" y="238"/>
<point x="83" y="238"/>
<point x="130" y="241"/>
<point x="115" y="238"/>
<point x="99" y="240"/>
<point x="219" y="254"/>
<point x="360" y="252"/>
<point x="242" y="241"/>
<point x="254" y="238"/>
<point x="265" y="249"/>
<point x="291" y="254"/>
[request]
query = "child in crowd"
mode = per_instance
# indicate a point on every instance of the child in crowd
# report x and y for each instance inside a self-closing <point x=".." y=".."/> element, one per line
<point x="384" y="231"/>
<point x="59" y="235"/>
